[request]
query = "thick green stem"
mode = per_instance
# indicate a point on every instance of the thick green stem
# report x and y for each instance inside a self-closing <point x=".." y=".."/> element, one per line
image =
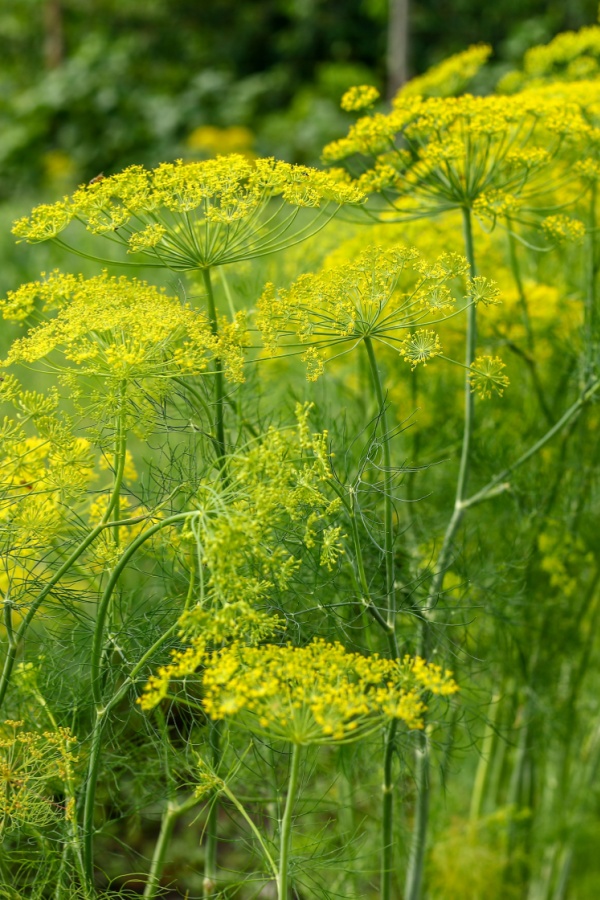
<point x="414" y="875"/>
<point x="286" y="825"/>
<point x="387" y="819"/>
<point x="172" y="813"/>
<point x="463" y="469"/>
<point x="481" y="776"/>
<point x="219" y="389"/>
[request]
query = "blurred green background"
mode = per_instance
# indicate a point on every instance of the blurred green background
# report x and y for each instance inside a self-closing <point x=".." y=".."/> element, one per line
<point x="89" y="86"/>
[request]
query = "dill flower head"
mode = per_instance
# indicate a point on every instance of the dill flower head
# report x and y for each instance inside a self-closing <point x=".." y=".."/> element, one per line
<point x="317" y="694"/>
<point x="196" y="215"/>
<point x="570" y="56"/>
<point x="44" y="470"/>
<point x="562" y="229"/>
<point x="380" y="294"/>
<point x="32" y="764"/>
<point x="431" y="154"/>
<point x="360" y="97"/>
<point x="451" y="76"/>
<point x="486" y="376"/>
<point x="130" y="334"/>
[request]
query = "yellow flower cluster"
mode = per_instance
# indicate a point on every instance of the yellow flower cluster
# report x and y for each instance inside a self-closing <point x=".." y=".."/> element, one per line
<point x="419" y="347"/>
<point x="32" y="765"/>
<point x="451" y="76"/>
<point x="317" y="694"/>
<point x="202" y="629"/>
<point x="121" y="329"/>
<point x="42" y="476"/>
<point x="486" y="376"/>
<point x="562" y="229"/>
<point x="277" y="483"/>
<point x="439" y="153"/>
<point x="570" y="56"/>
<point x="360" y="97"/>
<point x="199" y="214"/>
<point x="367" y="297"/>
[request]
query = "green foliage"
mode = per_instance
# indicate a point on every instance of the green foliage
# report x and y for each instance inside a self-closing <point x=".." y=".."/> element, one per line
<point x="280" y="530"/>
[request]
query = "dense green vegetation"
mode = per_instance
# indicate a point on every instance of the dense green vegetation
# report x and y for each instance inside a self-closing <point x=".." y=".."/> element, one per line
<point x="299" y="465"/>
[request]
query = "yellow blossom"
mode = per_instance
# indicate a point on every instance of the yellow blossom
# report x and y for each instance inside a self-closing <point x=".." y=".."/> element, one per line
<point x="199" y="214"/>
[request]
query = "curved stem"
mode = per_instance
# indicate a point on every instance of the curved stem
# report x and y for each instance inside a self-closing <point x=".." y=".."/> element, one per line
<point x="240" y="808"/>
<point x="26" y="621"/>
<point x="14" y="639"/>
<point x="97" y="642"/>
<point x="169" y="819"/>
<point x="286" y="825"/>
<point x="498" y="484"/>
<point x="102" y="711"/>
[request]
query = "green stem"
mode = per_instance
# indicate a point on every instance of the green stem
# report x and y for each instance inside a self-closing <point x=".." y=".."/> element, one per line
<point x="219" y="391"/>
<point x="367" y="600"/>
<point x="387" y="819"/>
<point x="388" y="509"/>
<point x="15" y="639"/>
<point x="516" y="272"/>
<point x="286" y="825"/>
<point x="102" y="711"/>
<point x="26" y="621"/>
<point x="209" y="884"/>
<point x="97" y="642"/>
<point x="481" y="776"/>
<point x="169" y="818"/>
<point x="498" y="484"/>
<point x="231" y="796"/>
<point x="414" y="875"/>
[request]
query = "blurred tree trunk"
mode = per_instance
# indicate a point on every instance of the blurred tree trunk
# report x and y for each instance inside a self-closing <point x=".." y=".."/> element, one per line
<point x="397" y="46"/>
<point x="54" y="37"/>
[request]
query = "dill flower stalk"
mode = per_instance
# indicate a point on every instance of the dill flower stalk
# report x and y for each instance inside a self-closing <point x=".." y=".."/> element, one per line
<point x="318" y="694"/>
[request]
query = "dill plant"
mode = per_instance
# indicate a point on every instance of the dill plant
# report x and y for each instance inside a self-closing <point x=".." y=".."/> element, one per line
<point x="501" y="160"/>
<point x="239" y="597"/>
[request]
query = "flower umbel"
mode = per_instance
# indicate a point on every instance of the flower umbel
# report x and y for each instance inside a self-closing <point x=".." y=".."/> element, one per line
<point x="317" y="694"/>
<point x="487" y="378"/>
<point x="201" y="214"/>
